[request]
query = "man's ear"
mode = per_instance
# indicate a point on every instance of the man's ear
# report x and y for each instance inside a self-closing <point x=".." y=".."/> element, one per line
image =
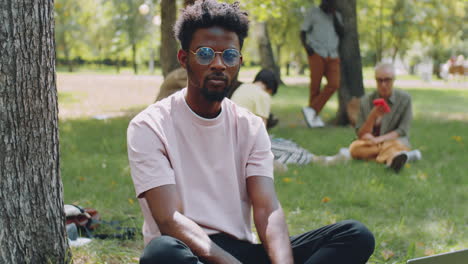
<point x="182" y="56"/>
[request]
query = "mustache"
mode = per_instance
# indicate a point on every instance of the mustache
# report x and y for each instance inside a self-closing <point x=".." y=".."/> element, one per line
<point x="217" y="76"/>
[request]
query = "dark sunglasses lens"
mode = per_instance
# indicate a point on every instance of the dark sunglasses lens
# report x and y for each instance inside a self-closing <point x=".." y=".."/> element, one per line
<point x="384" y="80"/>
<point x="205" y="55"/>
<point x="231" y="57"/>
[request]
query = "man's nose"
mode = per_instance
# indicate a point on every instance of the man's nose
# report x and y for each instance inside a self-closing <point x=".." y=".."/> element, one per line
<point x="218" y="64"/>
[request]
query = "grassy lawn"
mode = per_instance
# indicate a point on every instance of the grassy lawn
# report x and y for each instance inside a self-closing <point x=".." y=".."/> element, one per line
<point x="420" y="211"/>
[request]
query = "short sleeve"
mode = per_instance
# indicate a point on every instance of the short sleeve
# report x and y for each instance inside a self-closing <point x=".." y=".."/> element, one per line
<point x="149" y="163"/>
<point x="406" y="118"/>
<point x="262" y="105"/>
<point x="260" y="160"/>
<point x="308" y="21"/>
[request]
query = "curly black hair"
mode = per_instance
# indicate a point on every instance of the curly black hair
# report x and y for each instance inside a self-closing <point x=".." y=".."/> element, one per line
<point x="209" y="13"/>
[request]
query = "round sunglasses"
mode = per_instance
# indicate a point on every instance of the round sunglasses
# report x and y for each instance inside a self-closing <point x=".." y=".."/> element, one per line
<point x="205" y="55"/>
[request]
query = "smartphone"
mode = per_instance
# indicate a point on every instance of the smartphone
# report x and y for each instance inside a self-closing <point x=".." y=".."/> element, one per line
<point x="382" y="102"/>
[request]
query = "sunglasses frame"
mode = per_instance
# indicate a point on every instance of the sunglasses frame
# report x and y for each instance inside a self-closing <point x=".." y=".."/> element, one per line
<point x="384" y="80"/>
<point x="216" y="52"/>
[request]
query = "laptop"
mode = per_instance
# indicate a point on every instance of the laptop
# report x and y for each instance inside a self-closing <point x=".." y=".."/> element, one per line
<point x="456" y="257"/>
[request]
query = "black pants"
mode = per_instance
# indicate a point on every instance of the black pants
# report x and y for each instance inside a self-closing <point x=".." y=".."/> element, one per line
<point x="346" y="242"/>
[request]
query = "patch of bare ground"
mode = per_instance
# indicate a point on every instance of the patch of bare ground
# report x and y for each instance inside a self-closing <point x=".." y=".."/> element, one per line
<point x="105" y="95"/>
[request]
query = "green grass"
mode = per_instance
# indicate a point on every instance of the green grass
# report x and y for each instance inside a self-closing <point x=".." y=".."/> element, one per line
<point x="422" y="210"/>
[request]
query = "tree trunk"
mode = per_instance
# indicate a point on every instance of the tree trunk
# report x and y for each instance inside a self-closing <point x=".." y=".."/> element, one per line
<point x="117" y="65"/>
<point x="351" y="67"/>
<point x="278" y="56"/>
<point x="169" y="44"/>
<point x="67" y="55"/>
<point x="134" y="62"/>
<point x="379" y="53"/>
<point x="267" y="59"/>
<point x="32" y="219"/>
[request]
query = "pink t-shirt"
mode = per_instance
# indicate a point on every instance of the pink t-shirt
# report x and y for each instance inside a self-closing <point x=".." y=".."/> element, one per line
<point x="208" y="160"/>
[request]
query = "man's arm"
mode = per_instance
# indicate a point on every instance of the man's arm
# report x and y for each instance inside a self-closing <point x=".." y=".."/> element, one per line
<point x="338" y="24"/>
<point x="166" y="208"/>
<point x="269" y="219"/>
<point x="366" y="128"/>
<point x="386" y="137"/>
<point x="309" y="49"/>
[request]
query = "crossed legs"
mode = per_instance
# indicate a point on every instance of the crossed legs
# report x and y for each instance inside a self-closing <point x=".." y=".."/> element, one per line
<point x="347" y="241"/>
<point x="382" y="153"/>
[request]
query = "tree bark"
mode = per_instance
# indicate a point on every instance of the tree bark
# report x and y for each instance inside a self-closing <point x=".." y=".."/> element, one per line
<point x="267" y="59"/>
<point x="67" y="56"/>
<point x="169" y="44"/>
<point x="134" y="54"/>
<point x="351" y="66"/>
<point x="32" y="219"/>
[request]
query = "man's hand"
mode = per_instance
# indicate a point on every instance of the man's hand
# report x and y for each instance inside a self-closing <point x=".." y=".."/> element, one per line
<point x="378" y="111"/>
<point x="371" y="139"/>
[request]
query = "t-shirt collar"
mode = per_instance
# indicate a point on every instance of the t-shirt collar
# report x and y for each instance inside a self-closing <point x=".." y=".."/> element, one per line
<point x="199" y="119"/>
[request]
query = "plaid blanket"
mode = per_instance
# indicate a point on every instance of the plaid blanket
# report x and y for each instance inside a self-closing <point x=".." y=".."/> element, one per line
<point x="286" y="152"/>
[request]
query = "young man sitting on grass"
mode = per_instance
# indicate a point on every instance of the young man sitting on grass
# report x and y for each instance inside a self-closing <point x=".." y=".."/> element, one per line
<point x="200" y="163"/>
<point x="383" y="135"/>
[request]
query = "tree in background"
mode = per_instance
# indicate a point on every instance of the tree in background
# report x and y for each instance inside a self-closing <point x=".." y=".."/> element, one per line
<point x="128" y="20"/>
<point x="261" y="12"/>
<point x="67" y="17"/>
<point x="267" y="59"/>
<point x="284" y="38"/>
<point x="350" y="56"/>
<point x="392" y="28"/>
<point x="105" y="31"/>
<point x="32" y="219"/>
<point x="441" y="25"/>
<point x="169" y="45"/>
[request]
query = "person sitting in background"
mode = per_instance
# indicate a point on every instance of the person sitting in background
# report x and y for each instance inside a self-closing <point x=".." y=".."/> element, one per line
<point x="174" y="81"/>
<point x="382" y="136"/>
<point x="256" y="96"/>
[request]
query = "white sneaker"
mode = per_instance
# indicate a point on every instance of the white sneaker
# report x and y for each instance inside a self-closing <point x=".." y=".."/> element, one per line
<point x="414" y="155"/>
<point x="318" y="122"/>
<point x="344" y="152"/>
<point x="309" y="115"/>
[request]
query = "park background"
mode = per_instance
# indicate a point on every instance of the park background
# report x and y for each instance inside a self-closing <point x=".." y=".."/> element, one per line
<point x="113" y="51"/>
<point x="112" y="58"/>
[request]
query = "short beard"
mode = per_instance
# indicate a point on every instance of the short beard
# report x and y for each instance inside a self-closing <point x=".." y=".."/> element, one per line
<point x="214" y="96"/>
